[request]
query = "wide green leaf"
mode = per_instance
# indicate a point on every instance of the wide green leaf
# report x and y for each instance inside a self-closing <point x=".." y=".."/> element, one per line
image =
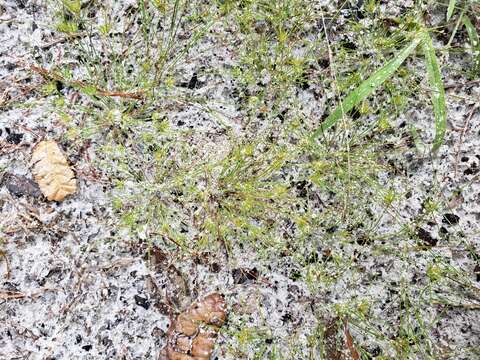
<point x="367" y="87"/>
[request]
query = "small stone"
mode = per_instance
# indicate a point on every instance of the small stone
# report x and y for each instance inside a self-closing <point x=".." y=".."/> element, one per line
<point x="19" y="185"/>
<point x="14" y="138"/>
<point x="450" y="219"/>
<point x="141" y="301"/>
<point x="287" y="317"/>
<point x="425" y="236"/>
<point x="10" y="67"/>
<point x="193" y="83"/>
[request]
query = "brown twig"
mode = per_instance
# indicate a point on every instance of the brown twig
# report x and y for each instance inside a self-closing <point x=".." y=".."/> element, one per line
<point x="9" y="295"/>
<point x="61" y="40"/>
<point x="25" y="128"/>
<point x="8" y="148"/>
<point x="468" y="83"/>
<point x="458" y="305"/>
<point x="122" y="262"/>
<point x="349" y="342"/>
<point x="54" y="76"/>
<point x="15" y="295"/>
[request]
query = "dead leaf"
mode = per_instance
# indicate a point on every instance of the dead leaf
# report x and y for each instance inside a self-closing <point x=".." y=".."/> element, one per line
<point x="3" y="255"/>
<point x="193" y="334"/>
<point x="52" y="172"/>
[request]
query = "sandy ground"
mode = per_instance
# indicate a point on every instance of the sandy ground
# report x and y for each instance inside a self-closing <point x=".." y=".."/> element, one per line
<point x="74" y="286"/>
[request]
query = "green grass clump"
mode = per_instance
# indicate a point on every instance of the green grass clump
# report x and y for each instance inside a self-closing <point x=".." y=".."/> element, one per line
<point x="236" y="198"/>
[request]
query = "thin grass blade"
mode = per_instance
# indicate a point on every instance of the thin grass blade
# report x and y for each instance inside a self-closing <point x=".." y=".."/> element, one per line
<point x="366" y="88"/>
<point x="472" y="32"/>
<point x="474" y="41"/>
<point x="451" y="8"/>
<point x="438" y="91"/>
